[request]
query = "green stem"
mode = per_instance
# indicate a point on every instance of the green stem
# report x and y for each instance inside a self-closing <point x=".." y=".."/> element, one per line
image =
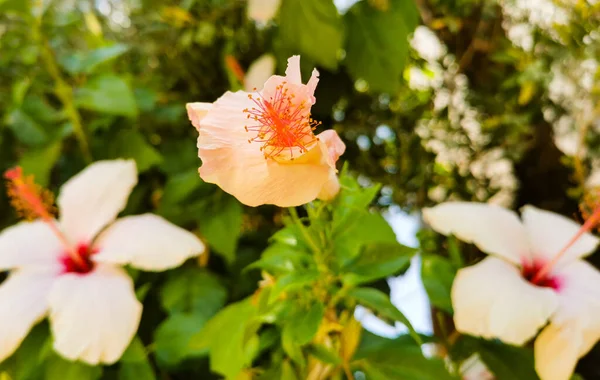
<point x="64" y="92"/>
<point x="302" y="227"/>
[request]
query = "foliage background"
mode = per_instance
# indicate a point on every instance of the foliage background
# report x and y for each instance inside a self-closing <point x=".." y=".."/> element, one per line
<point x="496" y="111"/>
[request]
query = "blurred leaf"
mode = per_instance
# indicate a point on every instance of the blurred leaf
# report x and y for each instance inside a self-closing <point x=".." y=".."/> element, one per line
<point x="179" y="187"/>
<point x="172" y="337"/>
<point x="302" y="324"/>
<point x="39" y="162"/>
<point x="382" y="359"/>
<point x="377" y="260"/>
<point x="350" y="338"/>
<point x="129" y="143"/>
<point x="221" y="225"/>
<point x="380" y="303"/>
<point x="324" y="354"/>
<point x="361" y="228"/>
<point x="145" y="98"/>
<point x="193" y="290"/>
<point x="377" y="42"/>
<point x="58" y="368"/>
<point x="229" y="336"/>
<point x="87" y="62"/>
<point x="291" y="282"/>
<point x="26" y="362"/>
<point x="26" y="129"/>
<point x="108" y="94"/>
<point x="505" y="361"/>
<point x="135" y="364"/>
<point x="438" y="274"/>
<point x="312" y="28"/>
<point x="281" y="258"/>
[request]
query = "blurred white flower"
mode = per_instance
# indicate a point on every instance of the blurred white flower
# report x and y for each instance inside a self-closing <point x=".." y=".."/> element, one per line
<point x="427" y="44"/>
<point x="535" y="275"/>
<point x="70" y="268"/>
<point x="262" y="11"/>
<point x="258" y="73"/>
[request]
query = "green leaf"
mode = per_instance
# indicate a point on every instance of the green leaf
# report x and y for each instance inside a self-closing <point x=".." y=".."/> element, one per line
<point x="230" y="336"/>
<point x="381" y="359"/>
<point x="129" y="143"/>
<point x="380" y="303"/>
<point x="172" y="337"/>
<point x="377" y="42"/>
<point x="193" y="290"/>
<point x="39" y="162"/>
<point x="378" y="260"/>
<point x="58" y="368"/>
<point x="360" y="229"/>
<point x="26" y="129"/>
<point x="221" y="225"/>
<point x="291" y="282"/>
<point x="438" y="274"/>
<point x="87" y="62"/>
<point x="281" y="258"/>
<point x="312" y="28"/>
<point x="507" y="362"/>
<point x="302" y="324"/>
<point x="324" y="354"/>
<point x="108" y="94"/>
<point x="135" y="364"/>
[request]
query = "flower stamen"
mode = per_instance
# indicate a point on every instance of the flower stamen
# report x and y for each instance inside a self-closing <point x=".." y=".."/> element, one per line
<point x="283" y="125"/>
<point x="31" y="201"/>
<point x="587" y="226"/>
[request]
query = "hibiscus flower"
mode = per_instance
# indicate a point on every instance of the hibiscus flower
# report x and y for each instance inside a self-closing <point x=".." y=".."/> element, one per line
<point x="534" y="277"/>
<point x="70" y="269"/>
<point x="261" y="147"/>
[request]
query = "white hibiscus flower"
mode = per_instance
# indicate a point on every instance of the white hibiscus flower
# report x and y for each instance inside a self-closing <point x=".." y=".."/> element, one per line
<point x="534" y="276"/>
<point x="70" y="269"/>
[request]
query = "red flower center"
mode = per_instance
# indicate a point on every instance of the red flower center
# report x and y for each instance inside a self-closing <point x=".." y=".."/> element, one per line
<point x="84" y="264"/>
<point x="530" y="270"/>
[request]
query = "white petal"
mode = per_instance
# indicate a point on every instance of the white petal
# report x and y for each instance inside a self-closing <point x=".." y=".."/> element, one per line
<point x="94" y="316"/>
<point x="492" y="300"/>
<point x="292" y="72"/>
<point x="148" y="242"/>
<point x="93" y="198"/>
<point x="556" y="352"/>
<point x="23" y="302"/>
<point x="579" y="301"/>
<point x="29" y="244"/>
<point x="550" y="232"/>
<point x="262" y="10"/>
<point x="492" y="229"/>
<point x="258" y="72"/>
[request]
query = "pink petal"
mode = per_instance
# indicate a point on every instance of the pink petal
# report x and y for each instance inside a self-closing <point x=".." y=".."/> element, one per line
<point x="196" y="112"/>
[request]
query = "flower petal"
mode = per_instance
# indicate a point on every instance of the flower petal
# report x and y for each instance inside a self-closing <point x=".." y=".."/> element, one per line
<point x="292" y="72"/>
<point x="258" y="73"/>
<point x="94" y="316"/>
<point x="23" y="302"/>
<point x="550" y="232"/>
<point x="493" y="229"/>
<point x="579" y="301"/>
<point x="29" y="244"/>
<point x="492" y="300"/>
<point x="241" y="169"/>
<point x="93" y="198"/>
<point x="196" y="112"/>
<point x="335" y="145"/>
<point x="556" y="352"/>
<point x="148" y="242"/>
<point x="262" y="10"/>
